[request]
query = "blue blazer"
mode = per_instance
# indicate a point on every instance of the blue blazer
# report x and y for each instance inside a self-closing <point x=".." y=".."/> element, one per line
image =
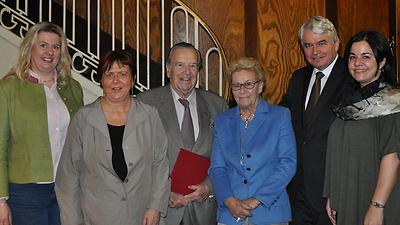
<point x="257" y="163"/>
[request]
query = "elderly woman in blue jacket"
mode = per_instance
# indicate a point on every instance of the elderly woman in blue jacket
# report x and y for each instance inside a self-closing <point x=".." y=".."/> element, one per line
<point x="253" y="154"/>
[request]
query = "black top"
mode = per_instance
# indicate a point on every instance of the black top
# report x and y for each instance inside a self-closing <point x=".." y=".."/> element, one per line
<point x="118" y="158"/>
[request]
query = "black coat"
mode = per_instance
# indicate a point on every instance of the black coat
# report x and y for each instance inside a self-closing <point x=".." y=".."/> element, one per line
<point x="311" y="140"/>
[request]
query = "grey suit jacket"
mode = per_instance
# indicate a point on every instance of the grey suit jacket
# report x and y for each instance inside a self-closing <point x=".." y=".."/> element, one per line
<point x="88" y="189"/>
<point x="208" y="105"/>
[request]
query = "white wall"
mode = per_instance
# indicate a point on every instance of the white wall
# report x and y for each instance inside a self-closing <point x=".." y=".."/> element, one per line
<point x="9" y="46"/>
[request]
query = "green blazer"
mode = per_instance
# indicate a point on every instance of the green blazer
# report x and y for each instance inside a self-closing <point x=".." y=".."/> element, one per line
<point x="25" y="154"/>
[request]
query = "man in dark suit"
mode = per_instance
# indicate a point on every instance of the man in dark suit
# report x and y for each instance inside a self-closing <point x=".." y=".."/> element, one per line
<point x="312" y="116"/>
<point x="183" y="65"/>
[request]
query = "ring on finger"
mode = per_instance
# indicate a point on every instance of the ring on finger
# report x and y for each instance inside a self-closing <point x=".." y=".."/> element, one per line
<point x="238" y="219"/>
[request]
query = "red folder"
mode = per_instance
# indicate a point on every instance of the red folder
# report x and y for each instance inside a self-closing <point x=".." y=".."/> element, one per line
<point x="190" y="169"/>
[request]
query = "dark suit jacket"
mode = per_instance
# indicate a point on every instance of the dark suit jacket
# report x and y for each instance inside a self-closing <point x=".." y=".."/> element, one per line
<point x="311" y="140"/>
<point x="208" y="105"/>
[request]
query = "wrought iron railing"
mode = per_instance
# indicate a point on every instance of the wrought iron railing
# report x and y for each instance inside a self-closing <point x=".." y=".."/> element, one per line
<point x="87" y="40"/>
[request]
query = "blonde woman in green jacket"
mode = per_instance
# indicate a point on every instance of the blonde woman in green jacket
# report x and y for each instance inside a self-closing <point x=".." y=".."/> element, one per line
<point x="38" y="97"/>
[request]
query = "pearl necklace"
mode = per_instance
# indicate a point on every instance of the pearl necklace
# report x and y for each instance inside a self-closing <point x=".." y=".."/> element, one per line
<point x="247" y="119"/>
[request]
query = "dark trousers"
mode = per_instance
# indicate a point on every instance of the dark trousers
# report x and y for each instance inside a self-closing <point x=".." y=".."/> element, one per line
<point x="304" y="214"/>
<point x="33" y="204"/>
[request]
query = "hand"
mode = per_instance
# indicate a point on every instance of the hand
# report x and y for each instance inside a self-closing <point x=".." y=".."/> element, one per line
<point x="374" y="216"/>
<point x="151" y="217"/>
<point x="200" y="193"/>
<point x="331" y="212"/>
<point x="177" y="200"/>
<point x="252" y="202"/>
<point x="238" y="209"/>
<point x="5" y="214"/>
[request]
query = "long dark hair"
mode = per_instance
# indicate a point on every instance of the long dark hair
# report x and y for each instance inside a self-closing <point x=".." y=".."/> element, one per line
<point x="381" y="49"/>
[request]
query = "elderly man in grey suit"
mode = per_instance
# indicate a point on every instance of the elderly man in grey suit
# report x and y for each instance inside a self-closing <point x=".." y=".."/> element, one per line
<point x="183" y="65"/>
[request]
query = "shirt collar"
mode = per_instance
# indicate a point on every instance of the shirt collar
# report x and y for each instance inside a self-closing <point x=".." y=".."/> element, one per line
<point x="35" y="78"/>
<point x="327" y="71"/>
<point x="191" y="98"/>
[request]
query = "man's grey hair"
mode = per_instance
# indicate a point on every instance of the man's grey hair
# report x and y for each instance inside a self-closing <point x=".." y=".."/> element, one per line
<point x="318" y="25"/>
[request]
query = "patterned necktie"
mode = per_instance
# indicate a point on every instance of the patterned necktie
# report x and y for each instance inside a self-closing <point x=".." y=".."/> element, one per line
<point x="312" y="101"/>
<point x="187" y="126"/>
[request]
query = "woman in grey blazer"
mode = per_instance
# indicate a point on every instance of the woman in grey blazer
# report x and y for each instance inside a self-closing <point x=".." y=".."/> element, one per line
<point x="114" y="168"/>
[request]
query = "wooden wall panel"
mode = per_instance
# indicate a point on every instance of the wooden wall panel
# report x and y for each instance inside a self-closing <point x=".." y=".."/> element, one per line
<point x="226" y="20"/>
<point x="357" y="15"/>
<point x="278" y="49"/>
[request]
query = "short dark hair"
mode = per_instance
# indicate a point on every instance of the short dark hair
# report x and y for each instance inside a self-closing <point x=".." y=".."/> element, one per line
<point x="122" y="57"/>
<point x="185" y="45"/>
<point x="381" y="49"/>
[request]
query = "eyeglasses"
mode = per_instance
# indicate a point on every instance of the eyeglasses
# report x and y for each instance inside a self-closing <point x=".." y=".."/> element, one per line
<point x="247" y="85"/>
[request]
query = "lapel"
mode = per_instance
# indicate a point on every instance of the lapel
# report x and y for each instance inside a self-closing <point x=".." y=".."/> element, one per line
<point x="98" y="120"/>
<point x="136" y="116"/>
<point x="204" y="119"/>
<point x="234" y="127"/>
<point x="306" y="81"/>
<point x="260" y="117"/>
<point x="258" y="121"/>
<point x="168" y="113"/>
<point x="331" y="89"/>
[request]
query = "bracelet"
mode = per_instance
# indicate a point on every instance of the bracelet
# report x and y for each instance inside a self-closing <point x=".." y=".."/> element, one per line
<point x="377" y="205"/>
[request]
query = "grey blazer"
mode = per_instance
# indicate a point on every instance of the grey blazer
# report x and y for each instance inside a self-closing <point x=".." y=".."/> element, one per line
<point x="87" y="187"/>
<point x="208" y="105"/>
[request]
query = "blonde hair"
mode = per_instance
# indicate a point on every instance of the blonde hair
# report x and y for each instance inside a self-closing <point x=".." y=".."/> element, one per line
<point x="23" y="65"/>
<point x="249" y="64"/>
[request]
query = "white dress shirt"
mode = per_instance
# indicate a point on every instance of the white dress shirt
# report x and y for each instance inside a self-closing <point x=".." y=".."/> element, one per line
<point x="57" y="122"/>
<point x="327" y="72"/>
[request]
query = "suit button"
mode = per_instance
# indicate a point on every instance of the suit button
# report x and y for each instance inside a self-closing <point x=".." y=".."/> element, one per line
<point x="123" y="199"/>
<point x="245" y="181"/>
<point x="126" y="180"/>
<point x="130" y="164"/>
<point x="304" y="142"/>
